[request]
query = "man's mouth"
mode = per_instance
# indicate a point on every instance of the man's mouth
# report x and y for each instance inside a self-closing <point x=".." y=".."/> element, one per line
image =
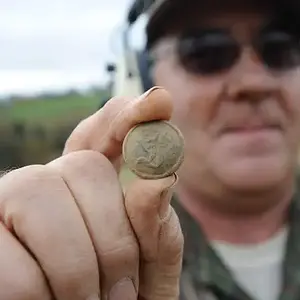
<point x="248" y="129"/>
<point x="252" y="139"/>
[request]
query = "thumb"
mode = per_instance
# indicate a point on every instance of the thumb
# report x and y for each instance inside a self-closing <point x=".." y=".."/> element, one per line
<point x="105" y="130"/>
<point x="159" y="234"/>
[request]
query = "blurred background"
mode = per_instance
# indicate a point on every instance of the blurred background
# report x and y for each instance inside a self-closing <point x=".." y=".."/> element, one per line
<point x="53" y="73"/>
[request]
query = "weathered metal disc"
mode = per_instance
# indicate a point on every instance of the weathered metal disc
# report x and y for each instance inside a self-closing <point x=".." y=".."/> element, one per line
<point x="153" y="149"/>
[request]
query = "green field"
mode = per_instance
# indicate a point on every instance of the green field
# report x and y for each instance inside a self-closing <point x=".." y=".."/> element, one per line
<point x="34" y="130"/>
<point x="47" y="111"/>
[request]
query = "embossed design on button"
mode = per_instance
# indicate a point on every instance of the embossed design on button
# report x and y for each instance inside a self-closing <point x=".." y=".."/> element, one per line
<point x="154" y="149"/>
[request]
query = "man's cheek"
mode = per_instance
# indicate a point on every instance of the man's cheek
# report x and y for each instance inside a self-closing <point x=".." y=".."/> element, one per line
<point x="293" y="134"/>
<point x="294" y="118"/>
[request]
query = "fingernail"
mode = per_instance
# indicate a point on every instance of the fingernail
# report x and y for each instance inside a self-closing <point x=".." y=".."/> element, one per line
<point x="151" y="90"/>
<point x="166" y="197"/>
<point x="123" y="289"/>
<point x="121" y="131"/>
<point x="147" y="93"/>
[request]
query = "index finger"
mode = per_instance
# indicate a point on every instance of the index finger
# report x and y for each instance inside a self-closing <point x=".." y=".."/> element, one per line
<point x="105" y="130"/>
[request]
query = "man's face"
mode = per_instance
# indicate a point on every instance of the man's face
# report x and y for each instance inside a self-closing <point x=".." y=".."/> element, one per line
<point x="241" y="123"/>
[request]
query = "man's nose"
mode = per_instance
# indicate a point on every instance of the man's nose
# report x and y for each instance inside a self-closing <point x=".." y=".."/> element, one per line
<point x="250" y="79"/>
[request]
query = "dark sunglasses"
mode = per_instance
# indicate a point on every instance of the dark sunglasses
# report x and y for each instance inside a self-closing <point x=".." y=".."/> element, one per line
<point x="215" y="50"/>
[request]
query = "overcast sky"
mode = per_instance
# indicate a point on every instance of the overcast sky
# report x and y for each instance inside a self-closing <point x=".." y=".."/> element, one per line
<point x="47" y="44"/>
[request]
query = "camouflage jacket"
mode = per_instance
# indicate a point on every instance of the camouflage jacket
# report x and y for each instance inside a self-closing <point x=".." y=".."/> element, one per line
<point x="204" y="275"/>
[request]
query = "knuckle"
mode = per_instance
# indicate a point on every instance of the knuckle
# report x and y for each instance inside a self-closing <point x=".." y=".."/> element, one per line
<point x="80" y="137"/>
<point x="77" y="133"/>
<point x="123" y="251"/>
<point x="86" y="162"/>
<point x="114" y="107"/>
<point x="22" y="188"/>
<point x="172" y="240"/>
<point x="31" y="176"/>
<point x="115" y="102"/>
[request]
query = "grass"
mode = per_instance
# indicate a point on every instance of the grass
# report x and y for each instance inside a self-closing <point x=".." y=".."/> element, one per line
<point x="45" y="111"/>
<point x="34" y="130"/>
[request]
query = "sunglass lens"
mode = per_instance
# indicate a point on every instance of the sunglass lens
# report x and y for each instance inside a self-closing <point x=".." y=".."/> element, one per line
<point x="207" y="53"/>
<point x="280" y="50"/>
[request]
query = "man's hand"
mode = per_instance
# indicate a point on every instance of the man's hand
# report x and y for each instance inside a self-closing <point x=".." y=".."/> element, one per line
<point x="68" y="232"/>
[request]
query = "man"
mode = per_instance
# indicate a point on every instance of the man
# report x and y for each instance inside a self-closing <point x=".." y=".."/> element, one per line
<point x="231" y="70"/>
<point x="233" y="78"/>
